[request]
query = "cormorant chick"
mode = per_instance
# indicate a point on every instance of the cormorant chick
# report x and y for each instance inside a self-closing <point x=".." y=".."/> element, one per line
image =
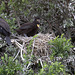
<point x="30" y="29"/>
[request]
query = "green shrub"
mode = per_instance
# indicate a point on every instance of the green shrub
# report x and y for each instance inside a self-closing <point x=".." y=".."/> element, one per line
<point x="8" y="66"/>
<point x="60" y="46"/>
<point x="12" y="24"/>
<point x="54" y="69"/>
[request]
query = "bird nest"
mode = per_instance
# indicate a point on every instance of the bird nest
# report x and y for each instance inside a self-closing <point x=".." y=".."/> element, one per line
<point x="38" y="45"/>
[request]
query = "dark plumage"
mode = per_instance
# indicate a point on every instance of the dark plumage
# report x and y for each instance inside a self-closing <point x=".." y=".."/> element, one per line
<point x="5" y="30"/>
<point x="30" y="29"/>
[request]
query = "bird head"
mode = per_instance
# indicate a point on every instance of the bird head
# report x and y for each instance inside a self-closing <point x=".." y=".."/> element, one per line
<point x="37" y="20"/>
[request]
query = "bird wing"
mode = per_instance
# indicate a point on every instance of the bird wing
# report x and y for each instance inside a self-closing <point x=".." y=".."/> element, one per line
<point x="4" y="24"/>
<point x="27" y="26"/>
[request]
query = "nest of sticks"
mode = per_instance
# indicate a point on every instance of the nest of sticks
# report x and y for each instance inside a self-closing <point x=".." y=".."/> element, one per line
<point x="38" y="45"/>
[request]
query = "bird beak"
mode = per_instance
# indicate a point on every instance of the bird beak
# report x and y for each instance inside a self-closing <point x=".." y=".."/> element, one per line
<point x="38" y="25"/>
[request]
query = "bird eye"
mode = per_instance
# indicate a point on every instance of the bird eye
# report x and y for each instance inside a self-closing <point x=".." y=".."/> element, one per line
<point x="38" y="20"/>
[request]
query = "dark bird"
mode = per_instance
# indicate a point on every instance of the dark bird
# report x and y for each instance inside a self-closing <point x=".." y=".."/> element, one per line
<point x="5" y="30"/>
<point x="30" y="29"/>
